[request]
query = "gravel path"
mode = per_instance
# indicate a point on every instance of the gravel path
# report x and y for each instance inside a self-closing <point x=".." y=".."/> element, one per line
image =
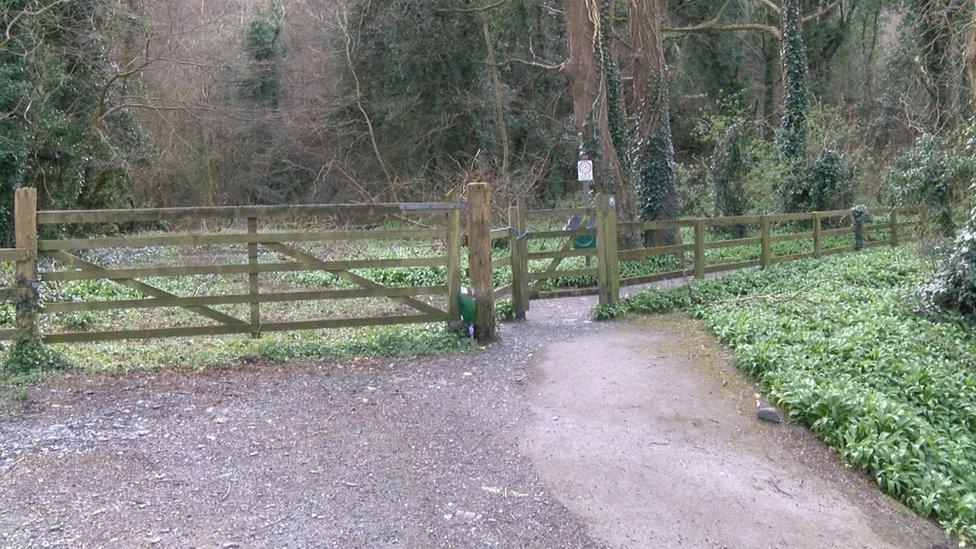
<point x="531" y="442"/>
<point x="652" y="437"/>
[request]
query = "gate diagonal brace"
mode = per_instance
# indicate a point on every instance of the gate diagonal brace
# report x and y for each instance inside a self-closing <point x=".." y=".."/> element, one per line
<point x="147" y="289"/>
<point x="557" y="261"/>
<point x="365" y="283"/>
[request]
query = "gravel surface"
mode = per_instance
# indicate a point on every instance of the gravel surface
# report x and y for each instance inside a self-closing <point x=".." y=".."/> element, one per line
<point x="456" y="450"/>
<point x="369" y="452"/>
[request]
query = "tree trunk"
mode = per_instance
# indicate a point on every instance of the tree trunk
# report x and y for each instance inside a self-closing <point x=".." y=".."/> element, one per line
<point x="587" y="82"/>
<point x="580" y="65"/>
<point x="793" y="132"/>
<point x="615" y="139"/>
<point x="770" y="57"/>
<point x="498" y="96"/>
<point x="657" y="193"/>
<point x="794" y="190"/>
<point x="970" y="56"/>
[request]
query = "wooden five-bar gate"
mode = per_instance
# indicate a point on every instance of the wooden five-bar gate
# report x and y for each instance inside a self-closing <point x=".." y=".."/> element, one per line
<point x="449" y="222"/>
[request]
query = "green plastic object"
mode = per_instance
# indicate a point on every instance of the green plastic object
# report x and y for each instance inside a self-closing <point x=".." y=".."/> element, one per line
<point x="466" y="301"/>
<point x="585" y="242"/>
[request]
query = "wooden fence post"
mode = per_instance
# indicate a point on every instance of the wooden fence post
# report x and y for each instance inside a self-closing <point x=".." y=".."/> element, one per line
<point x="764" y="244"/>
<point x="859" y="215"/>
<point x="25" y="237"/>
<point x="613" y="258"/>
<point x="479" y="260"/>
<point x="699" y="248"/>
<point x="817" y="240"/>
<point x="453" y="235"/>
<point x="607" y="267"/>
<point x="894" y="226"/>
<point x="520" y="261"/>
<point x="253" y="280"/>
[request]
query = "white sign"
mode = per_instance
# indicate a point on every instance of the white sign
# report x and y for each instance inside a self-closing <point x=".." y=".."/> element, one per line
<point x="585" y="169"/>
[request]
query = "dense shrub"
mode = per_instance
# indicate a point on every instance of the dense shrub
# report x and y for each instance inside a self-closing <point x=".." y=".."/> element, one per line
<point x="58" y="131"/>
<point x="934" y="174"/>
<point x="34" y="356"/>
<point x="953" y="288"/>
<point x="831" y="180"/>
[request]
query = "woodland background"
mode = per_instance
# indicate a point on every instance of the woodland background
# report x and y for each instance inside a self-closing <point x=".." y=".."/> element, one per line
<point x="690" y="107"/>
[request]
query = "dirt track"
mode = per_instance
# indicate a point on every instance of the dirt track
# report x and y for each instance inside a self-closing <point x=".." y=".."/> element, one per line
<point x="563" y="434"/>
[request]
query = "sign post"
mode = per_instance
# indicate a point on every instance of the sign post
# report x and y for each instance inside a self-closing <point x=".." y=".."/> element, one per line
<point x="584" y="172"/>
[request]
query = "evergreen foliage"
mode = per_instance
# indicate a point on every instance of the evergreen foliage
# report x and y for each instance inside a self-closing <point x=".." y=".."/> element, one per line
<point x="33" y="356"/>
<point x="953" y="288"/>
<point x="657" y="190"/>
<point x="265" y="48"/>
<point x="932" y="173"/>
<point x="56" y="132"/>
<point x="831" y="180"/>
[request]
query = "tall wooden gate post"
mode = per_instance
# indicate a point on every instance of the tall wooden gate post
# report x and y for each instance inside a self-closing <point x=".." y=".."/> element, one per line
<point x="894" y="226"/>
<point x="817" y="239"/>
<point x="608" y="268"/>
<point x="699" y="249"/>
<point x="454" y="269"/>
<point x="253" y="280"/>
<point x="764" y="243"/>
<point x="25" y="237"/>
<point x="479" y="260"/>
<point x="520" y="258"/>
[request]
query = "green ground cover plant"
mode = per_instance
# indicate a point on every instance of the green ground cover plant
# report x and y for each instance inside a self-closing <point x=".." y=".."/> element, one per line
<point x="839" y="344"/>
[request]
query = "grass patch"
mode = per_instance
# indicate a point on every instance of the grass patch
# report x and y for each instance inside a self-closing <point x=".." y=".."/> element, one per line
<point x="837" y="343"/>
<point x="24" y="367"/>
<point x="203" y="352"/>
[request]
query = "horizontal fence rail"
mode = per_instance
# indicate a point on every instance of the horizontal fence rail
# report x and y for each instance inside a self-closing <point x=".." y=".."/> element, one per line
<point x="60" y="217"/>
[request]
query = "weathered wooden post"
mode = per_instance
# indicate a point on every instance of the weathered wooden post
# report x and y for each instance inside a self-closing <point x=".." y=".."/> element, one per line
<point x="613" y="257"/>
<point x="520" y="263"/>
<point x="253" y="280"/>
<point x="817" y="240"/>
<point x="894" y="226"/>
<point x="453" y="235"/>
<point x="764" y="242"/>
<point x="699" y="249"/>
<point x="608" y="279"/>
<point x="859" y="215"/>
<point x="479" y="260"/>
<point x="25" y="238"/>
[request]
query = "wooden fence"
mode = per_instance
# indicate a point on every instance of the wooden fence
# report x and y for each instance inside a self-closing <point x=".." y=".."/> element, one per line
<point x="64" y="252"/>
<point x="601" y="259"/>
<point x="817" y="228"/>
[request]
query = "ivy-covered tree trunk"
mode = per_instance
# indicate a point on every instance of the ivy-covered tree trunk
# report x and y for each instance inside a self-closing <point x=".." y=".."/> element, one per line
<point x="595" y="88"/>
<point x="727" y="179"/>
<point x="656" y="185"/>
<point x="953" y="288"/>
<point x="793" y="130"/>
<point x="770" y="60"/>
